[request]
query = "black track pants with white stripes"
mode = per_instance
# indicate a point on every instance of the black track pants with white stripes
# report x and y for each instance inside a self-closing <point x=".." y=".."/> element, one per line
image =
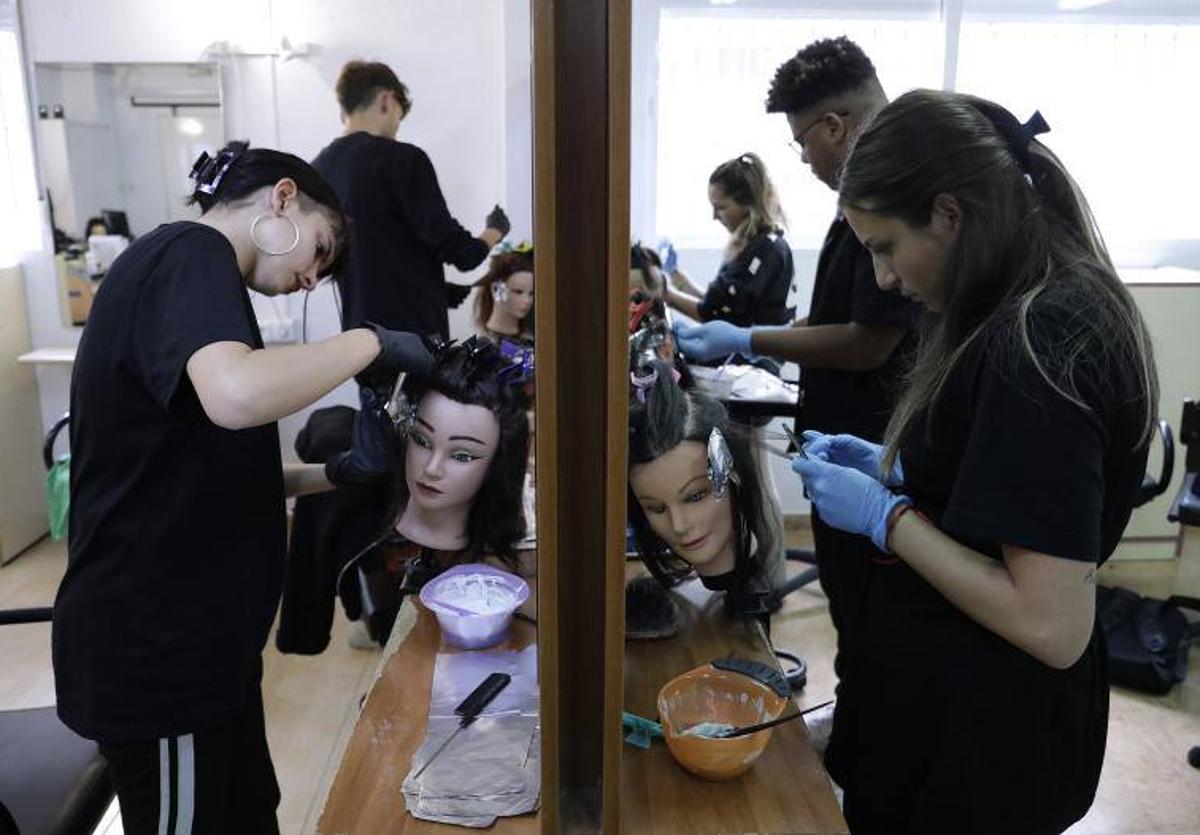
<point x="216" y="781"/>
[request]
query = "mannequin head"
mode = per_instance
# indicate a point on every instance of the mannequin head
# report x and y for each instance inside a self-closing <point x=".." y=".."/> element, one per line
<point x="504" y="301"/>
<point x="679" y="524"/>
<point x="645" y="271"/>
<point x="465" y="451"/>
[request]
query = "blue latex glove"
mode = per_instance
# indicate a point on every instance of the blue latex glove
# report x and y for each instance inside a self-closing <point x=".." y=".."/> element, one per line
<point x="853" y="451"/>
<point x="712" y="340"/>
<point x="670" y="258"/>
<point x="849" y="500"/>
<point x="371" y="458"/>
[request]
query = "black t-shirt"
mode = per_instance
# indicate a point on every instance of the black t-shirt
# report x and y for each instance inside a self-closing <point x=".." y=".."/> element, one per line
<point x="857" y="402"/>
<point x="949" y="725"/>
<point x="752" y="288"/>
<point x="401" y="234"/>
<point x="177" y="526"/>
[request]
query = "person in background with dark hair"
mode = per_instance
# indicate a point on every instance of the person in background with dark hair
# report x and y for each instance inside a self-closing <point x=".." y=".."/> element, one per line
<point x="978" y="699"/>
<point x="752" y="286"/>
<point x="402" y="232"/>
<point x="851" y="346"/>
<point x="95" y="226"/>
<point x="178" y="529"/>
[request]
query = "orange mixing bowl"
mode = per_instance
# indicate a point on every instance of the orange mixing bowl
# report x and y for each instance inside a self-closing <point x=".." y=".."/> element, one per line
<point x="707" y="694"/>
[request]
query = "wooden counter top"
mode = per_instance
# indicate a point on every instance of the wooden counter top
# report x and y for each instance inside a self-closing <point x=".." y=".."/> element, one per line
<point x="787" y="789"/>
<point x="365" y="796"/>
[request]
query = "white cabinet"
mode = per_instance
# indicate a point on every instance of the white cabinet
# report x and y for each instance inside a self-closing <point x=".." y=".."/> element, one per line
<point x="22" y="477"/>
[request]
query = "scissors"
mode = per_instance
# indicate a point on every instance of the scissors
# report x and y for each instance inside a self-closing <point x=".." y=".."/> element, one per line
<point x="790" y="436"/>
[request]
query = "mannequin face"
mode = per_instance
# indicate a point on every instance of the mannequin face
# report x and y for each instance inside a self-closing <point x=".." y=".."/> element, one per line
<point x="448" y="453"/>
<point x="301" y="266"/>
<point x="520" y="295"/>
<point x="677" y="498"/>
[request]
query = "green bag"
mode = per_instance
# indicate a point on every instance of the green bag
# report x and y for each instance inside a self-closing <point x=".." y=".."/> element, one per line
<point x="58" y="496"/>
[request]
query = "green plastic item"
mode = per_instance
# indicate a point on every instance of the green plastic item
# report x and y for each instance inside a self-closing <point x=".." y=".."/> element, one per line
<point x="58" y="496"/>
<point x="639" y="731"/>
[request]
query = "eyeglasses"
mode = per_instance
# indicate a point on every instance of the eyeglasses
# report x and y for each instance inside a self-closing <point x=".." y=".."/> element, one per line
<point x="797" y="141"/>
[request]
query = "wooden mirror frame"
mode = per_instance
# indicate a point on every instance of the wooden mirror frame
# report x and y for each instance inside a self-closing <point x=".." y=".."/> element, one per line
<point x="581" y="114"/>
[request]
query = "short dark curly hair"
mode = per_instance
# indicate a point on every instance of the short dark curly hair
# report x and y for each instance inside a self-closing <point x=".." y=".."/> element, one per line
<point x="822" y="69"/>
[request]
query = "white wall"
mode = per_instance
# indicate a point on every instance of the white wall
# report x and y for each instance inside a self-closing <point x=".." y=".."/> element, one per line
<point x="453" y="54"/>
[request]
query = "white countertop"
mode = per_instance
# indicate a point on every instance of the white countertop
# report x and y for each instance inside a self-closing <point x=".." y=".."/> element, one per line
<point x="49" y="356"/>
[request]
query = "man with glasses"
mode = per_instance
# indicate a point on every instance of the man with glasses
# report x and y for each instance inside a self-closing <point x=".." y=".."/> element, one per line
<point x="851" y="346"/>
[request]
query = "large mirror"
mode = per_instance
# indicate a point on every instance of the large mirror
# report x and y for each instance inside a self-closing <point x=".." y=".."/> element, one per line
<point x="117" y="142"/>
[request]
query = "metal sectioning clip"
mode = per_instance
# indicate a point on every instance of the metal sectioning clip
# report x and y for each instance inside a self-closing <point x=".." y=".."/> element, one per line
<point x="720" y="464"/>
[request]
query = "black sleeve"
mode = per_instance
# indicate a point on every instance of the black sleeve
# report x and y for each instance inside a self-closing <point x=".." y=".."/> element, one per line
<point x="871" y="306"/>
<point x="193" y="297"/>
<point x="1032" y="470"/>
<point x="425" y="210"/>
<point x="749" y="288"/>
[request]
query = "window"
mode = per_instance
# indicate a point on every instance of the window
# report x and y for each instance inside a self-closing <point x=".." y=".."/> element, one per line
<point x="1115" y="80"/>
<point x="20" y="229"/>
<point x="714" y="72"/>
<point x="1121" y="103"/>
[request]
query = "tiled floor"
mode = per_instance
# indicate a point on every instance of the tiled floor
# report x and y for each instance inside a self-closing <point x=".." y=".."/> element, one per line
<point x="1147" y="787"/>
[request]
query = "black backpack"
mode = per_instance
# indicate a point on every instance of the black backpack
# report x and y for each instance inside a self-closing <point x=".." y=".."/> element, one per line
<point x="1148" y="639"/>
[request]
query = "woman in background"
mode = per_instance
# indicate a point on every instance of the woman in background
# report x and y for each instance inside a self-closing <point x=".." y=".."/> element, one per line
<point x="752" y="286"/>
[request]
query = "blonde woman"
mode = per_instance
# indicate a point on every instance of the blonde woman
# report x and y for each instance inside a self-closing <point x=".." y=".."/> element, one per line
<point x="752" y="286"/>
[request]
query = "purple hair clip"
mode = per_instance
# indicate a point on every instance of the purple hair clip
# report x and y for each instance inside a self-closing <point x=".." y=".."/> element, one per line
<point x="642" y="382"/>
<point x="520" y="360"/>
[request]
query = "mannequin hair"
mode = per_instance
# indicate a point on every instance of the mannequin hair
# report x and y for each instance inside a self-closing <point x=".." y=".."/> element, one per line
<point x="669" y="416"/>
<point x="502" y="267"/>
<point x="469" y="373"/>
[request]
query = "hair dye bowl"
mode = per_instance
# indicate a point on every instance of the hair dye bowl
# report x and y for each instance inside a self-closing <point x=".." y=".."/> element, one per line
<point x="697" y="705"/>
<point x="474" y="603"/>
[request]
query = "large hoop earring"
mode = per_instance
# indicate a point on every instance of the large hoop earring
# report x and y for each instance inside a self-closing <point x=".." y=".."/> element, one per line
<point x="261" y="248"/>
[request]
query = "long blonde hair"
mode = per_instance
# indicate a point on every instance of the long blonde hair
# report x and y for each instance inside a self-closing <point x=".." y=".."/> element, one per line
<point x="1026" y="228"/>
<point x="745" y="181"/>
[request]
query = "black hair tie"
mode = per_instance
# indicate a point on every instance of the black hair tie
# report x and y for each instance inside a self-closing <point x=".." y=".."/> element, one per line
<point x="1017" y="135"/>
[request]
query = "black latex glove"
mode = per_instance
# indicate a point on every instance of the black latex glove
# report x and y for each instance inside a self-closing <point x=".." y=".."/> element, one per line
<point x="371" y="458"/>
<point x="498" y="220"/>
<point x="401" y="352"/>
<point x="456" y="294"/>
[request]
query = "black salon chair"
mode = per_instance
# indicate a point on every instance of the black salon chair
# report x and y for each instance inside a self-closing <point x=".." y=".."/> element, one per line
<point x="52" y="781"/>
<point x="1154" y="487"/>
<point x="1186" y="508"/>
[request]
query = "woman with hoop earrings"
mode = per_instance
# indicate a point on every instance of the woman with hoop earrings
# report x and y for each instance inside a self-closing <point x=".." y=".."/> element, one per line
<point x="177" y="524"/>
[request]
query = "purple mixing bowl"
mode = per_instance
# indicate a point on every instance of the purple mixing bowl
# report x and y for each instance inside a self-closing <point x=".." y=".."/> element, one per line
<point x="474" y="603"/>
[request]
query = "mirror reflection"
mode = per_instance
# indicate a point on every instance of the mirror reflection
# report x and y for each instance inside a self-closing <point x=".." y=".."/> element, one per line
<point x="117" y="142"/>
